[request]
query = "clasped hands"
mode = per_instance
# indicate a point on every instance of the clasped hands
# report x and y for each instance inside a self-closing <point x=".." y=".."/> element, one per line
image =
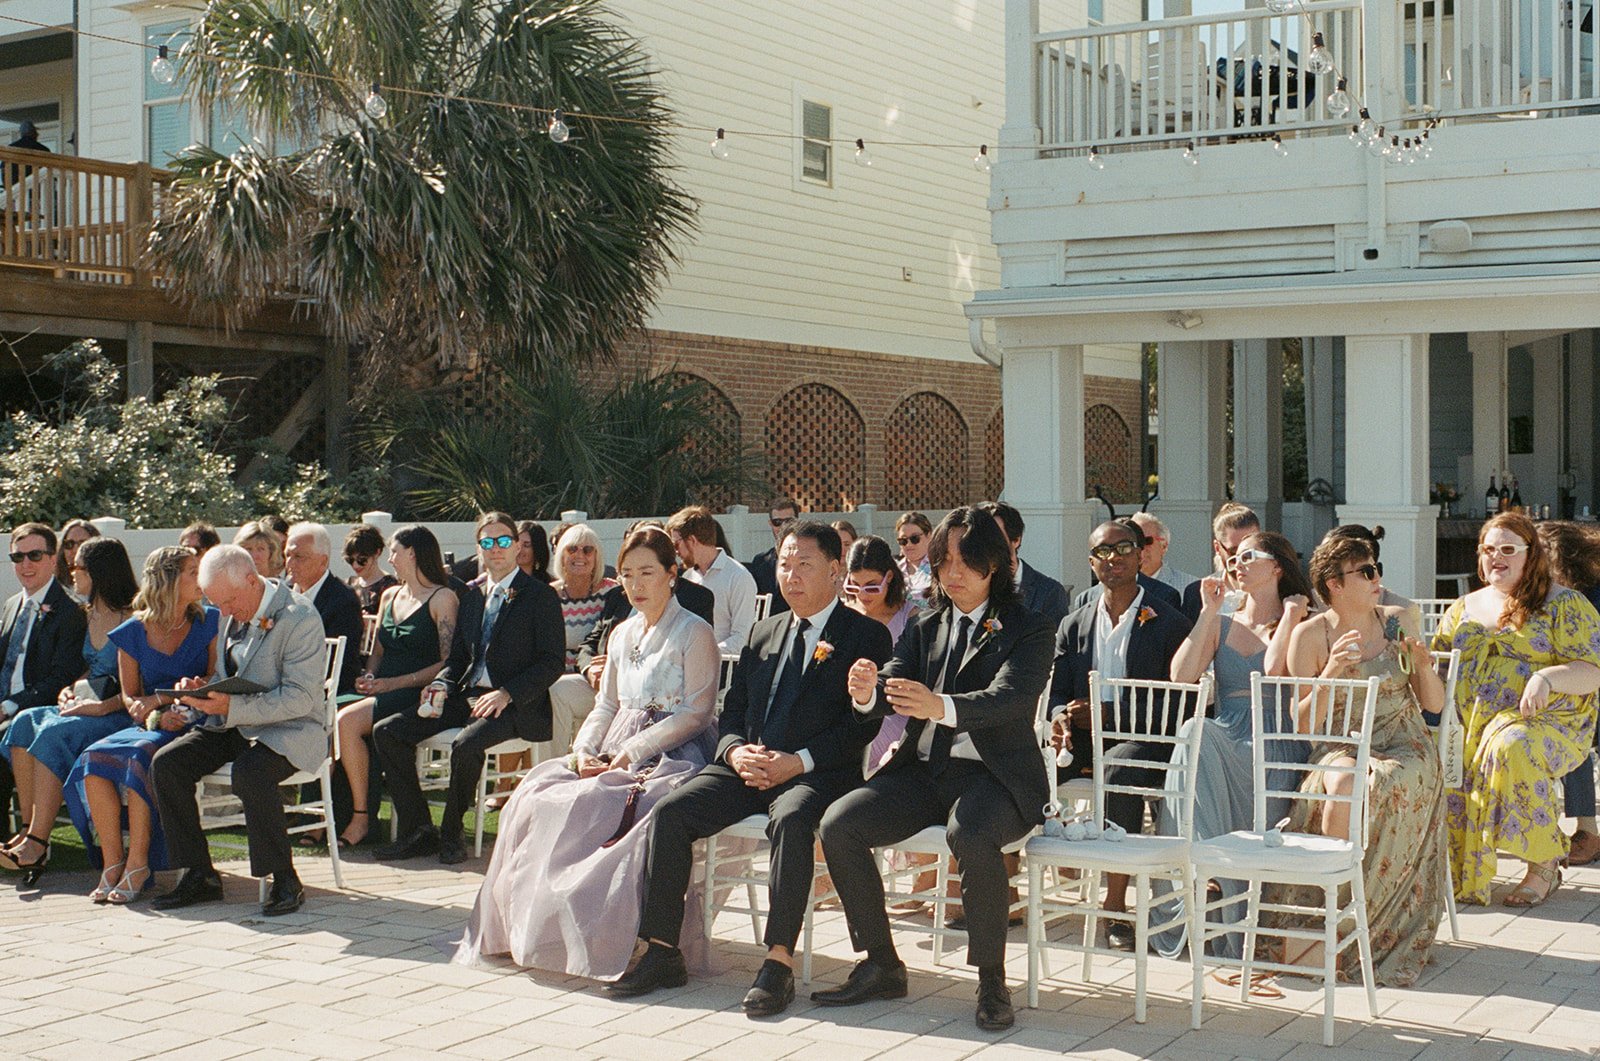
<point x="906" y="696"/>
<point x="594" y="765"/>
<point x="762" y="768"/>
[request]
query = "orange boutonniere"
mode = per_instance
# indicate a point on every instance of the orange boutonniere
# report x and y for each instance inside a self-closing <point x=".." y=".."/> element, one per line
<point x="986" y="630"/>
<point x="266" y="623"/>
<point x="822" y="652"/>
<point x="511" y="595"/>
<point x="44" y="609"/>
<point x="1146" y="613"/>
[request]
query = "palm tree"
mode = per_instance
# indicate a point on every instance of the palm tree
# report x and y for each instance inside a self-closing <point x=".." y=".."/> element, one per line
<point x="451" y="226"/>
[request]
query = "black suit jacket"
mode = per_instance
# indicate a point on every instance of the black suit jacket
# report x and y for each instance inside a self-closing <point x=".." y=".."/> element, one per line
<point x="823" y="721"/>
<point x="615" y="607"/>
<point x="764" y="569"/>
<point x="54" y="658"/>
<point x="1152" y="589"/>
<point x="996" y="696"/>
<point x="1151" y="646"/>
<point x="526" y="653"/>
<point x="340" y="609"/>
<point x="1043" y="594"/>
<point x="1191" y="600"/>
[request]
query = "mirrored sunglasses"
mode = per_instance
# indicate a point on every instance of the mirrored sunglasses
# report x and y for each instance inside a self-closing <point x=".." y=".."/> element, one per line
<point x="504" y="541"/>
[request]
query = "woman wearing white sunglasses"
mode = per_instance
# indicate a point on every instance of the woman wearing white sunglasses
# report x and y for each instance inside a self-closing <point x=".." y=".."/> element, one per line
<point x="1526" y="697"/>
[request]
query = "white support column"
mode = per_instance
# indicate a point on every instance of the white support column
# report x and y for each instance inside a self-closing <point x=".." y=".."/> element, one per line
<point x="1021" y="129"/>
<point x="1192" y="381"/>
<point x="1488" y="413"/>
<point x="1042" y="388"/>
<point x="1386" y="454"/>
<point x="1258" y="427"/>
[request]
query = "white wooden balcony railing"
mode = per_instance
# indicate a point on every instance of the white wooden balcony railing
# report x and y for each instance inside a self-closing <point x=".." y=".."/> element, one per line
<point x="1244" y="74"/>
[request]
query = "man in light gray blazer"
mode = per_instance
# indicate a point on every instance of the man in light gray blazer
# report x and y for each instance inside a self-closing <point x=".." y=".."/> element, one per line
<point x="273" y="637"/>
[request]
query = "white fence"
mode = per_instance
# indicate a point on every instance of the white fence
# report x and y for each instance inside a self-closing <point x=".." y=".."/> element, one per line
<point x="749" y="533"/>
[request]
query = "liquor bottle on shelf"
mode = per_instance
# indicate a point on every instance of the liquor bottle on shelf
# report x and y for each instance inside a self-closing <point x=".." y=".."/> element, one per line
<point x="1505" y="492"/>
<point x="1516" y="495"/>
<point x="1491" y="499"/>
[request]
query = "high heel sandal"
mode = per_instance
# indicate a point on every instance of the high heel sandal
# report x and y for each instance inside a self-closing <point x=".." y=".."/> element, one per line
<point x="31" y="871"/>
<point x="352" y="843"/>
<point x="125" y="893"/>
<point x="108" y="881"/>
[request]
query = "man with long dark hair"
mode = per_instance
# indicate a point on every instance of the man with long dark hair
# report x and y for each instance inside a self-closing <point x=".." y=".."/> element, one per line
<point x="967" y="675"/>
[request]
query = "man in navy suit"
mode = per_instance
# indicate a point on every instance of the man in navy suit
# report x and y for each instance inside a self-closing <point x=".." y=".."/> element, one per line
<point x="1152" y="588"/>
<point x="305" y="558"/>
<point x="1125" y="632"/>
<point x="1040" y="593"/>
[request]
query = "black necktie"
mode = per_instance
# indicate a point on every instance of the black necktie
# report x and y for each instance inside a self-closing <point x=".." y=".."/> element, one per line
<point x="939" y="752"/>
<point x="775" y="728"/>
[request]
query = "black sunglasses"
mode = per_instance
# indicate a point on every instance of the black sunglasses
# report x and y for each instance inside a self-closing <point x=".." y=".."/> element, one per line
<point x="34" y="555"/>
<point x="1370" y="572"/>
<point x="910" y="539"/>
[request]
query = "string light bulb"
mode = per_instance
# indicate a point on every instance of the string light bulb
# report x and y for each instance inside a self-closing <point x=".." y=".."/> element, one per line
<point x="558" y="129"/>
<point x="1095" y="161"/>
<point x="1378" y="145"/>
<point x="1320" y="60"/>
<point x="1279" y="148"/>
<point x="162" y="72"/>
<point x="981" y="161"/>
<point x="1280" y="7"/>
<point x="1339" y="99"/>
<point x="375" y="105"/>
<point x="1191" y="153"/>
<point x="862" y="158"/>
<point x="719" y="146"/>
<point x="1368" y="128"/>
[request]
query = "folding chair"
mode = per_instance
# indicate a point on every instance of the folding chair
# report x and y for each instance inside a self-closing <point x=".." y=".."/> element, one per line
<point x="1449" y="722"/>
<point x="1150" y="712"/>
<point x="1341" y="707"/>
<point x="752" y="831"/>
<point x="221" y="816"/>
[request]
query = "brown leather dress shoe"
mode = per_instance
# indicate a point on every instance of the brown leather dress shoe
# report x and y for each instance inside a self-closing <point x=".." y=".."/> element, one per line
<point x="1585" y="848"/>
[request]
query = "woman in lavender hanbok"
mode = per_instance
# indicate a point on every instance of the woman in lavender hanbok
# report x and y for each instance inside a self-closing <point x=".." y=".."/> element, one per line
<point x="565" y="887"/>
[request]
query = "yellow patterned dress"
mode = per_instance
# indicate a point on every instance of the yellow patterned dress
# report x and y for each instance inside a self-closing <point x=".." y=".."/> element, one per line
<point x="1510" y="796"/>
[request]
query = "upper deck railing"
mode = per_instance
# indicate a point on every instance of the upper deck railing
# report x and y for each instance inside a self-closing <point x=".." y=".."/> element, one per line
<point x="77" y="218"/>
<point x="1249" y="74"/>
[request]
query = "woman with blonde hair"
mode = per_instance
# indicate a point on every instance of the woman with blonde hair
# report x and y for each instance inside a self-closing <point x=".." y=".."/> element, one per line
<point x="580" y="583"/>
<point x="264" y="546"/>
<point x="171" y="636"/>
<point x="1527" y="703"/>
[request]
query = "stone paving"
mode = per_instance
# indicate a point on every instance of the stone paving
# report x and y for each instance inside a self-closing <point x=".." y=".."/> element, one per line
<point x="363" y="973"/>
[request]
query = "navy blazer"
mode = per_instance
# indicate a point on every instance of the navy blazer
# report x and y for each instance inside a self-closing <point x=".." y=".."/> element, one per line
<point x="1151" y="646"/>
<point x="1158" y="590"/>
<point x="764" y="569"/>
<point x="996" y="694"/>
<point x="54" y="657"/>
<point x="1043" y="594"/>
<point x="824" y="721"/>
<point x="340" y="609"/>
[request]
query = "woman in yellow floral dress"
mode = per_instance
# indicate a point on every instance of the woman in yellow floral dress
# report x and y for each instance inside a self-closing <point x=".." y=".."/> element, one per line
<point x="1526" y="697"/>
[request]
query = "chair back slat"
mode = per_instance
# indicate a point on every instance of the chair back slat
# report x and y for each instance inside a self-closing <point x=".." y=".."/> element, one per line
<point x="369" y="635"/>
<point x="763" y="606"/>
<point x="1151" y="713"/>
<point x="1448" y="664"/>
<point x="1432" y="611"/>
<point x="725" y="678"/>
<point x="334" y="666"/>
<point x="1330" y="712"/>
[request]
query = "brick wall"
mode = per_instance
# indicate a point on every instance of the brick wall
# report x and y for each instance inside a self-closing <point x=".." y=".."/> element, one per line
<point x="1111" y="437"/>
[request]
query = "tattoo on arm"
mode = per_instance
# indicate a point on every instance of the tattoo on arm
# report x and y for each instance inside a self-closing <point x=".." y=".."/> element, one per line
<point x="447" y="633"/>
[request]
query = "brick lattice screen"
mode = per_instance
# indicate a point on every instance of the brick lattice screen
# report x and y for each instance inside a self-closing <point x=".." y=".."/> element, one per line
<point x="817" y="449"/>
<point x="925" y="454"/>
<point x="994" y="455"/>
<point x="722" y="440"/>
<point x="1109" y="457"/>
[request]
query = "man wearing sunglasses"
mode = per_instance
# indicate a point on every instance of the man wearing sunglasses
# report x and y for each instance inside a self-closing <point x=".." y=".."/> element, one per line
<point x="764" y="568"/>
<point x="1232" y="524"/>
<point x="1147" y="585"/>
<point x="509" y="648"/>
<point x="1125" y="632"/>
<point x="41" y="633"/>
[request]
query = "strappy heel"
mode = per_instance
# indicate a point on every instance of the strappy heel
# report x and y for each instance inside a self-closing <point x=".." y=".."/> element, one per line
<point x="108" y="881"/>
<point x="31" y="871"/>
<point x="125" y="893"/>
<point x="352" y="843"/>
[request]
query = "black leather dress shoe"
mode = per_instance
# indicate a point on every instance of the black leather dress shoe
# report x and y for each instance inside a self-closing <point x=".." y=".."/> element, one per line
<point x="1119" y="935"/>
<point x="286" y="896"/>
<point x="868" y="980"/>
<point x="197" y="886"/>
<point x="452" y="850"/>
<point x="994" y="1003"/>
<point x="658" y="967"/>
<point x="772" y="992"/>
<point x="418" y="842"/>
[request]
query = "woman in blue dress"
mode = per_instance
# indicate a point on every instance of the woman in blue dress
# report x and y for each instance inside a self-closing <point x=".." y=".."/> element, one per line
<point x="43" y="741"/>
<point x="170" y="636"/>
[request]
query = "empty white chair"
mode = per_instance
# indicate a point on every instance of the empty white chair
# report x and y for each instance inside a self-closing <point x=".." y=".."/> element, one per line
<point x="1449" y="666"/>
<point x="1432" y="610"/>
<point x="1325" y="862"/>
<point x="1151" y="713"/>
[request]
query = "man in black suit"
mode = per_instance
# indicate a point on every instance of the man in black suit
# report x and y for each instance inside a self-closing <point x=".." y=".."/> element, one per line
<point x="41" y="634"/>
<point x="1126" y="632"/>
<point x="572" y="695"/>
<point x="1232" y="524"/>
<point x="510" y="646"/>
<point x="1040" y="593"/>
<point x="305" y="558"/>
<point x="790" y="745"/>
<point x="1154" y="590"/>
<point x="764" y="568"/>
<point x="967" y="675"/>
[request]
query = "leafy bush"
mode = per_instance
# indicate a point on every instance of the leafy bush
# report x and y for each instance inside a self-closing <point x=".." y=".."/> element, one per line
<point x="155" y="463"/>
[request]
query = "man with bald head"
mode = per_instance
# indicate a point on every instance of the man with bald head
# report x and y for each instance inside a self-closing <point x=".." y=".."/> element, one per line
<point x="270" y="636"/>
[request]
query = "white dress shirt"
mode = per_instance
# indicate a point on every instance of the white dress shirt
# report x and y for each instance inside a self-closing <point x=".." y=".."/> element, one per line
<point x="734" y="589"/>
<point x="480" y="676"/>
<point x="961" y="746"/>
<point x="310" y="592"/>
<point x="813" y="636"/>
<point x="1171" y="576"/>
<point x="1111" y="639"/>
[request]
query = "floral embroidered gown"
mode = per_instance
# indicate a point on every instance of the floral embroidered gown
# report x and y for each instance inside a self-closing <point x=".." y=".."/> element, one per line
<point x="1404" y="864"/>
<point x="1510" y="796"/>
<point x="554" y="897"/>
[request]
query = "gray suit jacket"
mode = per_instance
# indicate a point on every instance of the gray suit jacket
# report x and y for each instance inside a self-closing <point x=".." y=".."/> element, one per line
<point x="289" y="659"/>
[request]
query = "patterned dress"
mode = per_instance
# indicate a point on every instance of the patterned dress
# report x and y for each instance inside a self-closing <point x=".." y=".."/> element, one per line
<point x="1510" y="794"/>
<point x="1404" y="864"/>
<point x="579" y="614"/>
